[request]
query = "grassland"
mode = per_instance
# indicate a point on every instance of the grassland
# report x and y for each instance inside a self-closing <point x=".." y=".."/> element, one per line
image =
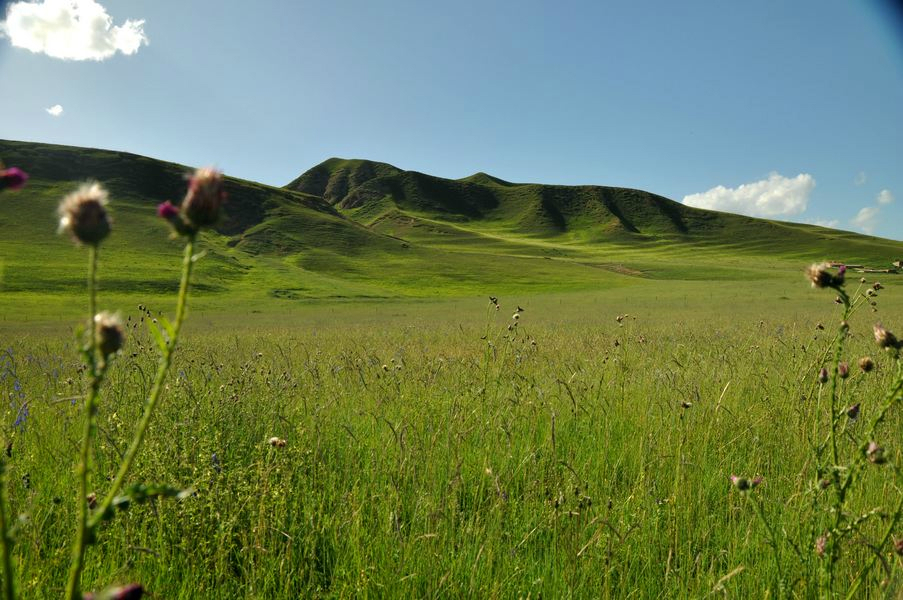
<point x="435" y="448"/>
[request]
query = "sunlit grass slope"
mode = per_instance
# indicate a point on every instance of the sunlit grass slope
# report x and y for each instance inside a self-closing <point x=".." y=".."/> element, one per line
<point x="367" y="230"/>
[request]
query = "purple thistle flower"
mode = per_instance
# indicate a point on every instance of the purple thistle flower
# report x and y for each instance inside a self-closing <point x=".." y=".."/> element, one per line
<point x="12" y="178"/>
<point x="167" y="210"/>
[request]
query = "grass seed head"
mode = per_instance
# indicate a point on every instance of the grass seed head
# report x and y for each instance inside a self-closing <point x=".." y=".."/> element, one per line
<point x="83" y="214"/>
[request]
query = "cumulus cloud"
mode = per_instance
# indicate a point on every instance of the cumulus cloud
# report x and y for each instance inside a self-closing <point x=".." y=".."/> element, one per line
<point x="884" y="197"/>
<point x="70" y="30"/>
<point x="776" y="196"/>
<point x="55" y="110"/>
<point x="866" y="219"/>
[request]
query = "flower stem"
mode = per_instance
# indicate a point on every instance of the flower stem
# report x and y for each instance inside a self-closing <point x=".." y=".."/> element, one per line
<point x="6" y="543"/>
<point x="156" y="390"/>
<point x="83" y="535"/>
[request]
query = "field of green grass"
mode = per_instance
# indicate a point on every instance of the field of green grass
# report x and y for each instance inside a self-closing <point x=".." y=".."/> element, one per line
<point x="435" y="445"/>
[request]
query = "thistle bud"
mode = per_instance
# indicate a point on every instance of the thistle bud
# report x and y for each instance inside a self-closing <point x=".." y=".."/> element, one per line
<point x="83" y="214"/>
<point x="12" y="178"/>
<point x="843" y="370"/>
<point x="823" y="375"/>
<point x="898" y="546"/>
<point x="866" y="364"/>
<point x="743" y="484"/>
<point x="821" y="544"/>
<point x="109" y="333"/>
<point x="204" y="198"/>
<point x="853" y="411"/>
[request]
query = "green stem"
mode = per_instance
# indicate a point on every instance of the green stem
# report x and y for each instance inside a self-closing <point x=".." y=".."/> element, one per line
<point x="156" y="390"/>
<point x="772" y="540"/>
<point x="83" y="535"/>
<point x="6" y="543"/>
<point x="887" y="533"/>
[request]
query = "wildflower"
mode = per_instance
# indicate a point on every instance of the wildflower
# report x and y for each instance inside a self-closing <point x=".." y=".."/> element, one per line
<point x="743" y="484"/>
<point x="821" y="277"/>
<point x="515" y="316"/>
<point x="866" y="364"/>
<point x="875" y="454"/>
<point x="853" y="412"/>
<point x="91" y="499"/>
<point x="12" y="178"/>
<point x="824" y="484"/>
<point x="877" y="286"/>
<point x="819" y="326"/>
<point x="821" y="544"/>
<point x="83" y="214"/>
<point x="898" y="546"/>
<point x="685" y="404"/>
<point x="132" y="591"/>
<point x="885" y="338"/>
<point x="109" y="332"/>
<point x="843" y="370"/>
<point x="201" y="205"/>
<point x="823" y="375"/>
<point x="277" y="442"/>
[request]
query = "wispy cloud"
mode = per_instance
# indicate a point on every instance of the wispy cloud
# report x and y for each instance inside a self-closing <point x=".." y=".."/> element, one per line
<point x="830" y="223"/>
<point x="868" y="217"/>
<point x="70" y="30"/>
<point x="861" y="178"/>
<point x="55" y="110"/>
<point x="776" y="196"/>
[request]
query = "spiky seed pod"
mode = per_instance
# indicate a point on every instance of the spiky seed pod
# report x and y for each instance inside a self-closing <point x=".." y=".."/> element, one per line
<point x="204" y="198"/>
<point x="83" y="214"/>
<point x="110" y="333"/>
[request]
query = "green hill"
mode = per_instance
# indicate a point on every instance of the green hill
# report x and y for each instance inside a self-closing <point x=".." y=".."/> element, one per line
<point x="363" y="229"/>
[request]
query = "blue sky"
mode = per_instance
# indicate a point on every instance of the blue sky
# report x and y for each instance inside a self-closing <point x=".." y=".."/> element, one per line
<point x="790" y="110"/>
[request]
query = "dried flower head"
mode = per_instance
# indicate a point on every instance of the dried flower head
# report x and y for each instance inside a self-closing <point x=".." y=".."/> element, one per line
<point x="277" y="442"/>
<point x="875" y="453"/>
<point x="866" y="364"/>
<point x="109" y="333"/>
<point x="885" y="338"/>
<point x="12" y="178"/>
<point x="83" y="214"/>
<point x="821" y="277"/>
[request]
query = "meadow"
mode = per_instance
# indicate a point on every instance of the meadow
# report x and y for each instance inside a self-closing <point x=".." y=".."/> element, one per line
<point x="432" y="452"/>
<point x="394" y="385"/>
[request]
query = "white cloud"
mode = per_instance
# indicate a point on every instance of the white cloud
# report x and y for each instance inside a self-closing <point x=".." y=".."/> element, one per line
<point x="884" y="197"/>
<point x="830" y="223"/>
<point x="55" y="110"/>
<point x="70" y="30"/>
<point x="777" y="196"/>
<point x="861" y="178"/>
<point x="866" y="219"/>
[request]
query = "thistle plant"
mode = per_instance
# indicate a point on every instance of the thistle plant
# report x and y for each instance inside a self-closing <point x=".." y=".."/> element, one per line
<point x="84" y="217"/>
<point x="842" y="454"/>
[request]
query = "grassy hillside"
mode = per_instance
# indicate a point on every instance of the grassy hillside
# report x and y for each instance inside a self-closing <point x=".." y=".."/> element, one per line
<point x="361" y="229"/>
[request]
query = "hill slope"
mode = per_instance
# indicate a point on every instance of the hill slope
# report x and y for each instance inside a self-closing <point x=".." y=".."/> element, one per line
<point x="353" y="228"/>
